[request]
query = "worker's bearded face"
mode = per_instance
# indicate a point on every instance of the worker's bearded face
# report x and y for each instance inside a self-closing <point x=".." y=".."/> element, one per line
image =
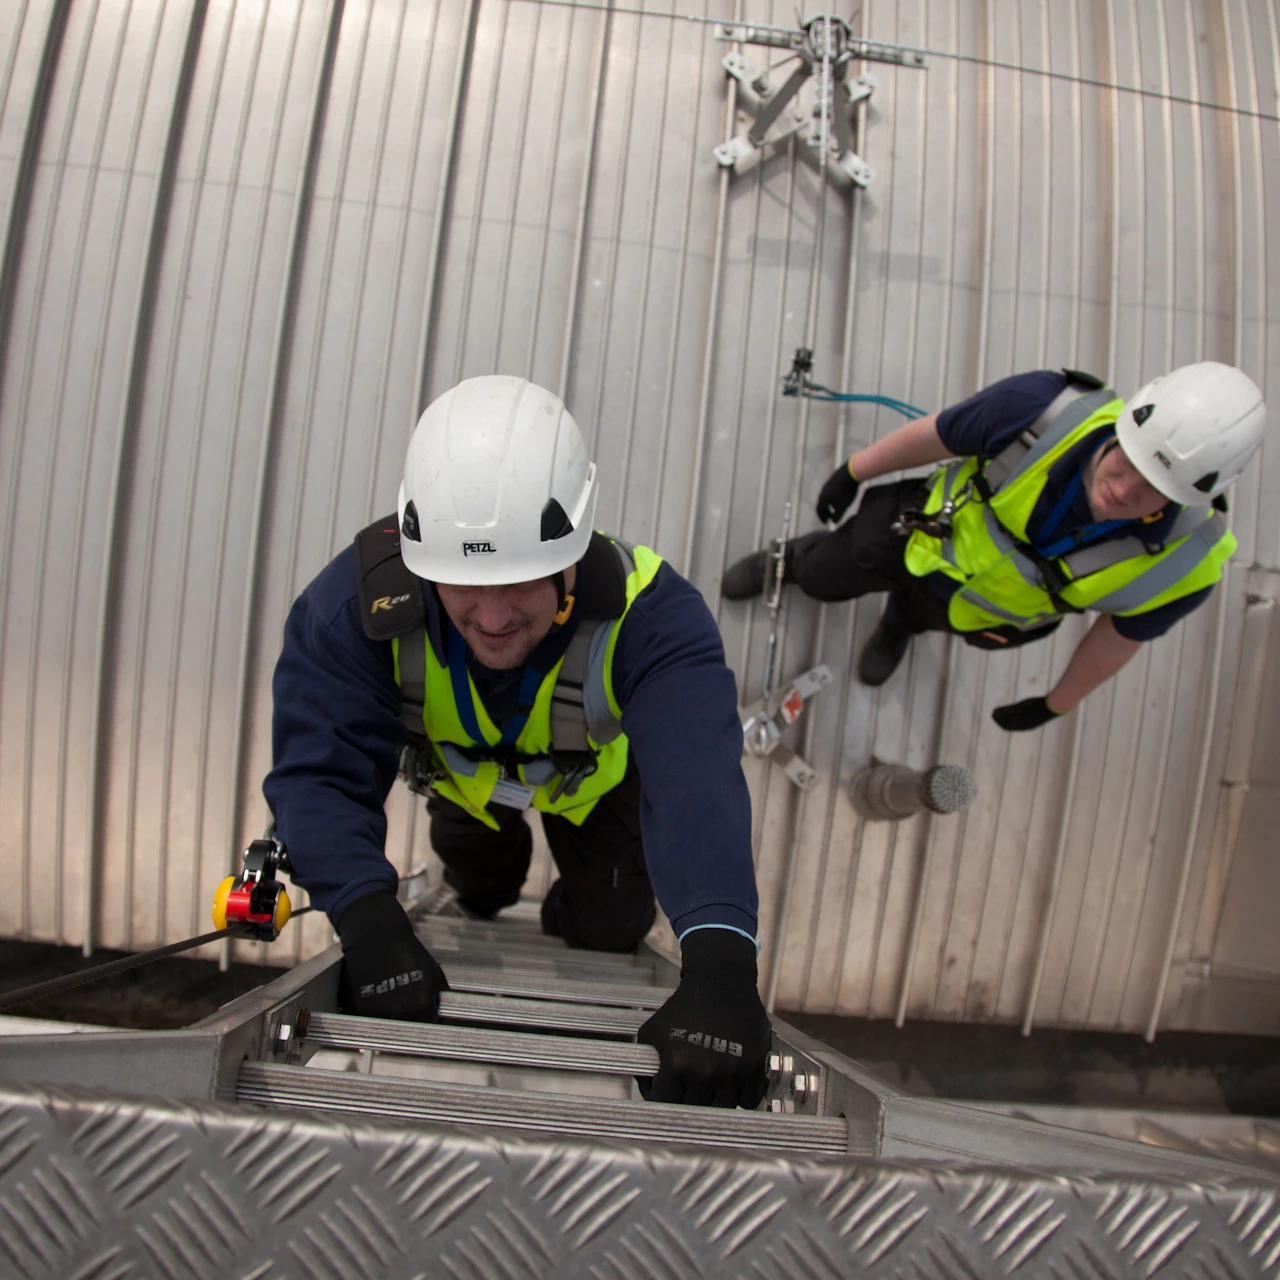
<point x="503" y="625"/>
<point x="1117" y="490"/>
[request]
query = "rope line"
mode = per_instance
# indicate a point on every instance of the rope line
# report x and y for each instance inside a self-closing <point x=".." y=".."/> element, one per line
<point x="973" y="59"/>
<point x="68" y="982"/>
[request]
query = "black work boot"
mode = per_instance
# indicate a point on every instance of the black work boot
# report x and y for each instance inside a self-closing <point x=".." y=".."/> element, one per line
<point x="745" y="578"/>
<point x="880" y="658"/>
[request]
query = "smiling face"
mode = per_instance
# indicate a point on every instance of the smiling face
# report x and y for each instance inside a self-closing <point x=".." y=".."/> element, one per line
<point x="503" y="625"/>
<point x="1117" y="490"/>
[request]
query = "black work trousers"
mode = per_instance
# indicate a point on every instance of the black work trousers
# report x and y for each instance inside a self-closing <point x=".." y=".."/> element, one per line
<point x="865" y="555"/>
<point x="603" y="900"/>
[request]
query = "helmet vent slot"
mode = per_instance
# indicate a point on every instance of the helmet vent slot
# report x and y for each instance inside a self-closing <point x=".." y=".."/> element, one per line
<point x="555" y="523"/>
<point x="1142" y="413"/>
<point x="1206" y="482"/>
<point x="409" y="525"/>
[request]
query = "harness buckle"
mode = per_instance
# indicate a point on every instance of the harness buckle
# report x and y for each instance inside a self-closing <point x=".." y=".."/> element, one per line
<point x="573" y="773"/>
<point x="936" y="525"/>
<point x="418" y="769"/>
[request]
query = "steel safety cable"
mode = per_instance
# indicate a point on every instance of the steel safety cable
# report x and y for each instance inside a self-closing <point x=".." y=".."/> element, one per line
<point x="998" y="63"/>
<point x="68" y="982"/>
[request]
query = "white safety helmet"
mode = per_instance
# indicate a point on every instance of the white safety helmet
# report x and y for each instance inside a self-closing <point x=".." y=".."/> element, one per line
<point x="497" y="486"/>
<point x="1192" y="432"/>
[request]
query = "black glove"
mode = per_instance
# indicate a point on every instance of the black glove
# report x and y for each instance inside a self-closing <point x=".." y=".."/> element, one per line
<point x="713" y="1034"/>
<point x="837" y="494"/>
<point x="386" y="971"/>
<point x="1030" y="713"/>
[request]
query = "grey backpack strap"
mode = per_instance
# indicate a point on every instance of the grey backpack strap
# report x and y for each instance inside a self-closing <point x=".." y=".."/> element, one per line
<point x="413" y="680"/>
<point x="1074" y="404"/>
<point x="579" y="701"/>
<point x="568" y="698"/>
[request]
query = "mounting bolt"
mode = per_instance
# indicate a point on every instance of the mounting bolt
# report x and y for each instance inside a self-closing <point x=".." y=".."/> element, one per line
<point x="788" y="1064"/>
<point x="284" y="1037"/>
<point x="774" y="1065"/>
<point x="800" y="1085"/>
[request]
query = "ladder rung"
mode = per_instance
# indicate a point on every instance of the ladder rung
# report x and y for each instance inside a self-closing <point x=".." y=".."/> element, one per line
<point x="548" y="1015"/>
<point x="549" y="966"/>
<point x="500" y="937"/>
<point x="272" y="1084"/>
<point x="470" y="1044"/>
<point x="499" y="982"/>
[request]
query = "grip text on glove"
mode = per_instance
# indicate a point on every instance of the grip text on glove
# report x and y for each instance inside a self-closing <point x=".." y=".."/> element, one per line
<point x="701" y="1040"/>
<point x="388" y="984"/>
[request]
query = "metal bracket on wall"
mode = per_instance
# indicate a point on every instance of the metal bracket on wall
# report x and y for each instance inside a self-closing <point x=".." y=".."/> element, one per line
<point x="823" y="46"/>
<point x="762" y="731"/>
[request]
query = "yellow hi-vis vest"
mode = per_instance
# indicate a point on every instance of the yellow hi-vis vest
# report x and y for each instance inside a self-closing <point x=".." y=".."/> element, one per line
<point x="1005" y="583"/>
<point x="574" y="714"/>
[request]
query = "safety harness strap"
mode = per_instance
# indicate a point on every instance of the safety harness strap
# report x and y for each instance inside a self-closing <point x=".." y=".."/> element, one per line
<point x="1064" y="413"/>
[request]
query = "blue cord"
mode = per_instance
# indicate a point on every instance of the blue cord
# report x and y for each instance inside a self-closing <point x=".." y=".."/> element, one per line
<point x="908" y="410"/>
<point x="816" y="391"/>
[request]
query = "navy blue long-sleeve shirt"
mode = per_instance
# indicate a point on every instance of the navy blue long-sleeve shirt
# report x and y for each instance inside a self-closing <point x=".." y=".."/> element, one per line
<point x="337" y="736"/>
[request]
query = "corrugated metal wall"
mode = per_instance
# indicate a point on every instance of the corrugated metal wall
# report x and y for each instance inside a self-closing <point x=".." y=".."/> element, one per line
<point x="245" y="240"/>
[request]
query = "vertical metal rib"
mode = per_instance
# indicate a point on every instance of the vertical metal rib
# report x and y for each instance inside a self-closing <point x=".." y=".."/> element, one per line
<point x="379" y="146"/>
<point x="611" y="270"/>
<point x="384" y="378"/>
<point x="1055" y="877"/>
<point x="91" y="416"/>
<point x="163" y="442"/>
<point x="24" y="171"/>
<point x="920" y="891"/>
<point x="444" y="194"/>
<point x="54" y="433"/>
<point x="1073" y="766"/>
<point x="603" y="23"/>
<point x="1042" y="352"/>
<point x="1133" y="923"/>
<point x="1113" y="307"/>
<point x="198" y="890"/>
<point x="518" y="150"/>
<point x="840" y="452"/>
<point x="462" y="317"/>
<point x="281" y="344"/>
<point x="1214" y="673"/>
<point x="1015" y="118"/>
<point x="799" y="449"/>
<point x="444" y="202"/>
<point x="402" y="240"/>
<point x="108" y="296"/>
<point x="642" y="305"/>
<point x="309" y="375"/>
<point x="14" y="236"/>
<point x="135" y="365"/>
<point x="682" y="258"/>
<point x="545" y="221"/>
<point x="1117" y="823"/>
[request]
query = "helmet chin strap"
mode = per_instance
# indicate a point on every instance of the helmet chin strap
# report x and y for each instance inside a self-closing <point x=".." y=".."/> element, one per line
<point x="563" y="596"/>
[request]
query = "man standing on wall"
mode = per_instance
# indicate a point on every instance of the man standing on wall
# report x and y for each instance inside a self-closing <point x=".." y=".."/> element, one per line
<point x="1063" y="498"/>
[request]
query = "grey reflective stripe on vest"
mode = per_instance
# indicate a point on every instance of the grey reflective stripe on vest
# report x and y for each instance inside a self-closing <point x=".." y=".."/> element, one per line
<point x="1064" y="413"/>
<point x="1018" y="620"/>
<point x="1027" y="568"/>
<point x="946" y="547"/>
<point x="1162" y="575"/>
<point x="1102" y="555"/>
